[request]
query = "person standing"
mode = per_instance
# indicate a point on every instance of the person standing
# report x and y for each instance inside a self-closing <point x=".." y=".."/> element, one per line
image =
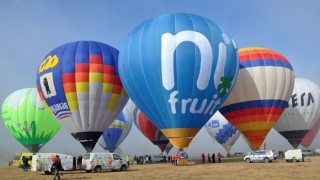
<point x="56" y="167"/>
<point x="172" y="160"/>
<point x="149" y="159"/>
<point x="128" y="159"/>
<point x="203" y="157"/>
<point x="25" y="163"/>
<point x="78" y="162"/>
<point x="209" y="158"/>
<point x="213" y="158"/>
<point x="219" y="157"/>
<point x="176" y="160"/>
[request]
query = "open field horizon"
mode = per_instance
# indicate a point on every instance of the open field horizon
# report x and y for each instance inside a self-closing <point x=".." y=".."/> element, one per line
<point x="230" y="168"/>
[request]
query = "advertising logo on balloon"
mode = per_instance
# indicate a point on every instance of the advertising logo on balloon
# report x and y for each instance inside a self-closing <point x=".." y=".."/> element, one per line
<point x="213" y="124"/>
<point x="119" y="124"/>
<point x="169" y="43"/>
<point x="49" y="62"/>
<point x="47" y="85"/>
<point x="304" y="99"/>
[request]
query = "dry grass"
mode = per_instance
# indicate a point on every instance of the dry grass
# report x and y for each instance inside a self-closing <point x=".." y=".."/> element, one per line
<point x="232" y="168"/>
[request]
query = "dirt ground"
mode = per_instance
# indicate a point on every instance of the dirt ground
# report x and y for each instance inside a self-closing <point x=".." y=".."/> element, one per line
<point x="230" y="168"/>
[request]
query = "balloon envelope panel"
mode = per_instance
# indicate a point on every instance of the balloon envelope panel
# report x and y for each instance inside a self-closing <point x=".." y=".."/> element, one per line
<point x="79" y="83"/>
<point x="302" y="113"/>
<point x="147" y="128"/>
<point x="28" y="120"/>
<point x="222" y="131"/>
<point x="178" y="69"/>
<point x="116" y="132"/>
<point x="307" y="140"/>
<point x="261" y="93"/>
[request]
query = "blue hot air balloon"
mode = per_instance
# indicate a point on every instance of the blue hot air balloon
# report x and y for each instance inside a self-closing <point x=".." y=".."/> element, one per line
<point x="79" y="84"/>
<point x="116" y="132"/>
<point x="178" y="69"/>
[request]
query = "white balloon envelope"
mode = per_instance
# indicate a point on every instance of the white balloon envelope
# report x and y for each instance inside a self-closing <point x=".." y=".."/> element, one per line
<point x="222" y="131"/>
<point x="302" y="113"/>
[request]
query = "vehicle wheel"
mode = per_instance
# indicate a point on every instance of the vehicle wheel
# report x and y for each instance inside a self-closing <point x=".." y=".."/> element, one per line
<point x="88" y="171"/>
<point x="248" y="160"/>
<point x="123" y="168"/>
<point x="97" y="169"/>
<point x="266" y="160"/>
<point x="294" y="160"/>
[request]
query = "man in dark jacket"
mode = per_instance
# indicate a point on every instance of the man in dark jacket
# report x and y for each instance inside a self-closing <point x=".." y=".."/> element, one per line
<point x="25" y="163"/>
<point x="56" y="167"/>
<point x="213" y="158"/>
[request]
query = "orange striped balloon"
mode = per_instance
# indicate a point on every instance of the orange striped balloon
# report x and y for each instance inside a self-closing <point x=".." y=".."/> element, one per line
<point x="261" y="93"/>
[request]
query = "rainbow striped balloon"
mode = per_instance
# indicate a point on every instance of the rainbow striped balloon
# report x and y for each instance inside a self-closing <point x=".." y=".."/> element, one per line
<point x="261" y="93"/>
<point x="79" y="83"/>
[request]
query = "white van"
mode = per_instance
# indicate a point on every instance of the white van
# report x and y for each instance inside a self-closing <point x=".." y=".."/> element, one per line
<point x="44" y="161"/>
<point x="154" y="158"/>
<point x="103" y="161"/>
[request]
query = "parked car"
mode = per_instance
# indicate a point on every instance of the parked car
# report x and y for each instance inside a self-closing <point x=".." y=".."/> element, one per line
<point x="239" y="154"/>
<point x="294" y="155"/>
<point x="260" y="156"/>
<point x="103" y="161"/>
<point x="307" y="152"/>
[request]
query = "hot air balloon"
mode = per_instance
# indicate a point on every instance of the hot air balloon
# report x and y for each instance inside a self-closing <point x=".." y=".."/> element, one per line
<point x="79" y="83"/>
<point x="169" y="146"/>
<point x="222" y="131"/>
<point x="28" y="120"/>
<point x="307" y="140"/>
<point x="178" y="69"/>
<point x="147" y="128"/>
<point x="302" y="113"/>
<point x="247" y="141"/>
<point x="261" y="93"/>
<point x="116" y="132"/>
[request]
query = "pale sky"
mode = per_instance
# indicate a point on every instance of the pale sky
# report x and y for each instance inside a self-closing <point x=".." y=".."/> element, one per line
<point x="29" y="29"/>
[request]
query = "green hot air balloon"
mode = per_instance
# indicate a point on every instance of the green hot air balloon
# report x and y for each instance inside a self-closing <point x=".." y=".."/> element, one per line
<point x="28" y="120"/>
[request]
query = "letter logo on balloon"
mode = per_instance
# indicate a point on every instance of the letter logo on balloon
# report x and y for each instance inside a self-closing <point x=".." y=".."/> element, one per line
<point x="168" y="46"/>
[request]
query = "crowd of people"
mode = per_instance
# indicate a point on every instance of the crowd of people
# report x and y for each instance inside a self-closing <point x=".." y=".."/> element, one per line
<point x="142" y="159"/>
<point x="147" y="159"/>
<point x="211" y="158"/>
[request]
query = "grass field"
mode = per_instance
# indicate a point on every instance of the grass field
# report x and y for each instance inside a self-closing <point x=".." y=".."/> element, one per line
<point x="230" y="168"/>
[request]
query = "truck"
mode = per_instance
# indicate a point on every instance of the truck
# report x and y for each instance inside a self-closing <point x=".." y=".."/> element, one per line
<point x="294" y="155"/>
<point x="103" y="161"/>
<point x="44" y="161"/>
<point x="17" y="161"/>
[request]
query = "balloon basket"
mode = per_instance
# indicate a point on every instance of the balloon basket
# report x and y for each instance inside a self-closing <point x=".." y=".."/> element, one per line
<point x="182" y="162"/>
